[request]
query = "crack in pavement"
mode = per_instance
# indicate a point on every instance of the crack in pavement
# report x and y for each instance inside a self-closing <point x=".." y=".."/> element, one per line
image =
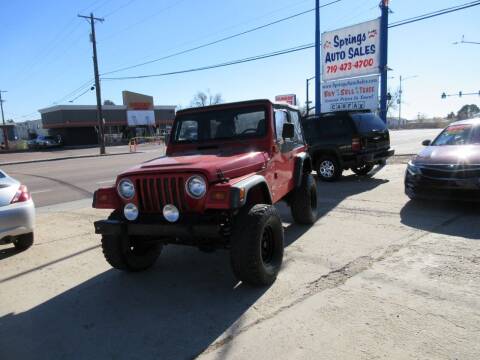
<point x="334" y="279"/>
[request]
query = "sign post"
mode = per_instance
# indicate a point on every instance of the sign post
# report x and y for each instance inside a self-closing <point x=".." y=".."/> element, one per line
<point x="317" y="58"/>
<point x="384" y="60"/>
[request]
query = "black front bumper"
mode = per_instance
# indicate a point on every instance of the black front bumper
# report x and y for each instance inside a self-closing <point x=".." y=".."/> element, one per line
<point x="419" y="186"/>
<point x="159" y="230"/>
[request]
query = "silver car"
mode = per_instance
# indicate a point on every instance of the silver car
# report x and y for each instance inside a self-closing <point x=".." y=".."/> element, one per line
<point x="17" y="213"/>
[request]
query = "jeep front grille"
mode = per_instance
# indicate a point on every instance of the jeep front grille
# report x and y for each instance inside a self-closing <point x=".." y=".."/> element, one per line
<point x="154" y="192"/>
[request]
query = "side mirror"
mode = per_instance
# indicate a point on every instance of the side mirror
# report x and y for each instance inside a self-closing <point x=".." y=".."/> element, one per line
<point x="426" y="142"/>
<point x="288" y="131"/>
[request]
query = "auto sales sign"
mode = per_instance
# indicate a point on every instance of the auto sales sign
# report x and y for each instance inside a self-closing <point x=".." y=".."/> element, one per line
<point x="351" y="51"/>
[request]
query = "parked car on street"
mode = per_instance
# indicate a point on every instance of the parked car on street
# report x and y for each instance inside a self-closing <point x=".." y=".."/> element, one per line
<point x="44" y="142"/>
<point x="449" y="166"/>
<point x="346" y="140"/>
<point x="225" y="167"/>
<point x="17" y="213"/>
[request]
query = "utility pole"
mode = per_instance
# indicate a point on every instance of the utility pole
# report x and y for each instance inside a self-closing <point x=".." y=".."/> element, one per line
<point x="317" y="58"/>
<point x="383" y="59"/>
<point x="308" y="92"/>
<point x="101" y="136"/>
<point x="5" y="132"/>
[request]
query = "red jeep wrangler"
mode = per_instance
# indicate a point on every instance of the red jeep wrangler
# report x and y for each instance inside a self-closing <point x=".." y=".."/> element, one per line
<point x="225" y="167"/>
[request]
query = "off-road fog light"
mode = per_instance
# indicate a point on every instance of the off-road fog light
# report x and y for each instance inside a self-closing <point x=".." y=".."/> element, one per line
<point x="171" y="213"/>
<point x="130" y="211"/>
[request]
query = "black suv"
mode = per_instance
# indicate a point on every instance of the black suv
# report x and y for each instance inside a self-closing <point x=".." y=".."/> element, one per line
<point x="346" y="140"/>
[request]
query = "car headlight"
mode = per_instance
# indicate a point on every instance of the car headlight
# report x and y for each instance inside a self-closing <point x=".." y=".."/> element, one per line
<point x="126" y="189"/>
<point x="196" y="187"/>
<point x="413" y="169"/>
<point x="130" y="211"/>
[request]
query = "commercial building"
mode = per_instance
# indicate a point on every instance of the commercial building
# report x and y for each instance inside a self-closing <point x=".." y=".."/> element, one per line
<point x="78" y="125"/>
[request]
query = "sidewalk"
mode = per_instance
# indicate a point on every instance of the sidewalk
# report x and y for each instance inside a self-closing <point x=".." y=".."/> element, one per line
<point x="62" y="154"/>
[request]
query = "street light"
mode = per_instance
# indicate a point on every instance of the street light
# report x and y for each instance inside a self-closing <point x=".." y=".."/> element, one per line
<point x="308" y="102"/>
<point x="400" y="91"/>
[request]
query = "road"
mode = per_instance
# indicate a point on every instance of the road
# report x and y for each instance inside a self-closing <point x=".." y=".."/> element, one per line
<point x="55" y="182"/>
<point x="410" y="141"/>
<point x="376" y="276"/>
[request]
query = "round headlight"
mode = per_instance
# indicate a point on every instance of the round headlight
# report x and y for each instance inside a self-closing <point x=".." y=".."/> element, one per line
<point x="196" y="187"/>
<point x="130" y="211"/>
<point x="171" y="213"/>
<point x="126" y="189"/>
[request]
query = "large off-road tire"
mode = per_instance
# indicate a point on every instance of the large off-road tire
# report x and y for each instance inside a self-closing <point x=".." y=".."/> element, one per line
<point x="362" y="170"/>
<point x="328" y="168"/>
<point x="257" y="245"/>
<point x="304" y="201"/>
<point x="23" y="242"/>
<point x="129" y="254"/>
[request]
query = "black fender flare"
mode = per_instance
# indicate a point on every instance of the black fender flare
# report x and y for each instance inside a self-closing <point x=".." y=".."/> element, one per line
<point x="303" y="165"/>
<point x="237" y="199"/>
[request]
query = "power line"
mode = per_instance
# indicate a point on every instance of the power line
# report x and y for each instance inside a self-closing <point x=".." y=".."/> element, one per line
<point x="83" y="93"/>
<point x="434" y="14"/>
<point x="219" y="40"/>
<point x="228" y="63"/>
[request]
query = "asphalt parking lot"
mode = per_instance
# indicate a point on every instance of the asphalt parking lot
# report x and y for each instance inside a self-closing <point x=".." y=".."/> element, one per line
<point x="377" y="276"/>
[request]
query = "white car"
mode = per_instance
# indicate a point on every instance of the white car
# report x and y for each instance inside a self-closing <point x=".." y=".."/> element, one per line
<point x="17" y="213"/>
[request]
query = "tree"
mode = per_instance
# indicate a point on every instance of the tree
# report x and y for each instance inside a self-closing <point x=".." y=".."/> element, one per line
<point x="202" y="98"/>
<point x="467" y="111"/>
<point x="108" y="102"/>
<point x="451" y="116"/>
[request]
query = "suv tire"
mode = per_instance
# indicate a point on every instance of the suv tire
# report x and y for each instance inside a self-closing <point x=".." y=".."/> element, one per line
<point x="328" y="168"/>
<point x="124" y="253"/>
<point x="23" y="242"/>
<point x="256" y="253"/>
<point x="362" y="170"/>
<point x="304" y="203"/>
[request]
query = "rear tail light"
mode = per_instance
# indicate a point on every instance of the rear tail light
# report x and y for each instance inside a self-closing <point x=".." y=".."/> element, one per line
<point x="356" y="144"/>
<point x="21" y="195"/>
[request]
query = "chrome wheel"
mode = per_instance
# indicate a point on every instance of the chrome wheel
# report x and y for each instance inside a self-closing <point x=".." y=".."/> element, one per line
<point x="327" y="168"/>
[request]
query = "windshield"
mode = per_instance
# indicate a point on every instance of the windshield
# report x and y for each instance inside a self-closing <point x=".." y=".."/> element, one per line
<point x="458" y="135"/>
<point x="221" y="125"/>
<point x="368" y="122"/>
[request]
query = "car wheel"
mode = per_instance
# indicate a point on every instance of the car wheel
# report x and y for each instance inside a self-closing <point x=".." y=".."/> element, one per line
<point x="362" y="170"/>
<point x="328" y="168"/>
<point x="129" y="253"/>
<point x="256" y="253"/>
<point x="304" y="203"/>
<point x="23" y="242"/>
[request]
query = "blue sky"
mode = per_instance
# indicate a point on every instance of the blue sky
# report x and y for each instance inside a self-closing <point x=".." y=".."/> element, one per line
<point x="46" y="53"/>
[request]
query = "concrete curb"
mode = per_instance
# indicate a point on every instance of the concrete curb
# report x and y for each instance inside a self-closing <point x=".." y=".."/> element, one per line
<point x="66" y="158"/>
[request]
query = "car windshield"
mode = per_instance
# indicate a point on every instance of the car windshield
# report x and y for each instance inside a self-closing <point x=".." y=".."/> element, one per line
<point x="226" y="124"/>
<point x="2" y="175"/>
<point x="461" y="134"/>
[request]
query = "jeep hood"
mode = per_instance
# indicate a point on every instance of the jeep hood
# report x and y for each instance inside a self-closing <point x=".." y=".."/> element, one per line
<point x="449" y="154"/>
<point x="231" y="165"/>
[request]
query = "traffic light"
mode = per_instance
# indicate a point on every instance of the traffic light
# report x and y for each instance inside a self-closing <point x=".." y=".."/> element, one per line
<point x="389" y="96"/>
<point x="444" y="96"/>
<point x="459" y="94"/>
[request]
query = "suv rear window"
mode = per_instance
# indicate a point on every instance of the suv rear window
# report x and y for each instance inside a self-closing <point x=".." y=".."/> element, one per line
<point x="368" y="122"/>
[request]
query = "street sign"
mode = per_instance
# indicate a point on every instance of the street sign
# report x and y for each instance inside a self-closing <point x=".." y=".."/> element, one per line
<point x="351" y="51"/>
<point x="350" y="94"/>
<point x="289" y="99"/>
